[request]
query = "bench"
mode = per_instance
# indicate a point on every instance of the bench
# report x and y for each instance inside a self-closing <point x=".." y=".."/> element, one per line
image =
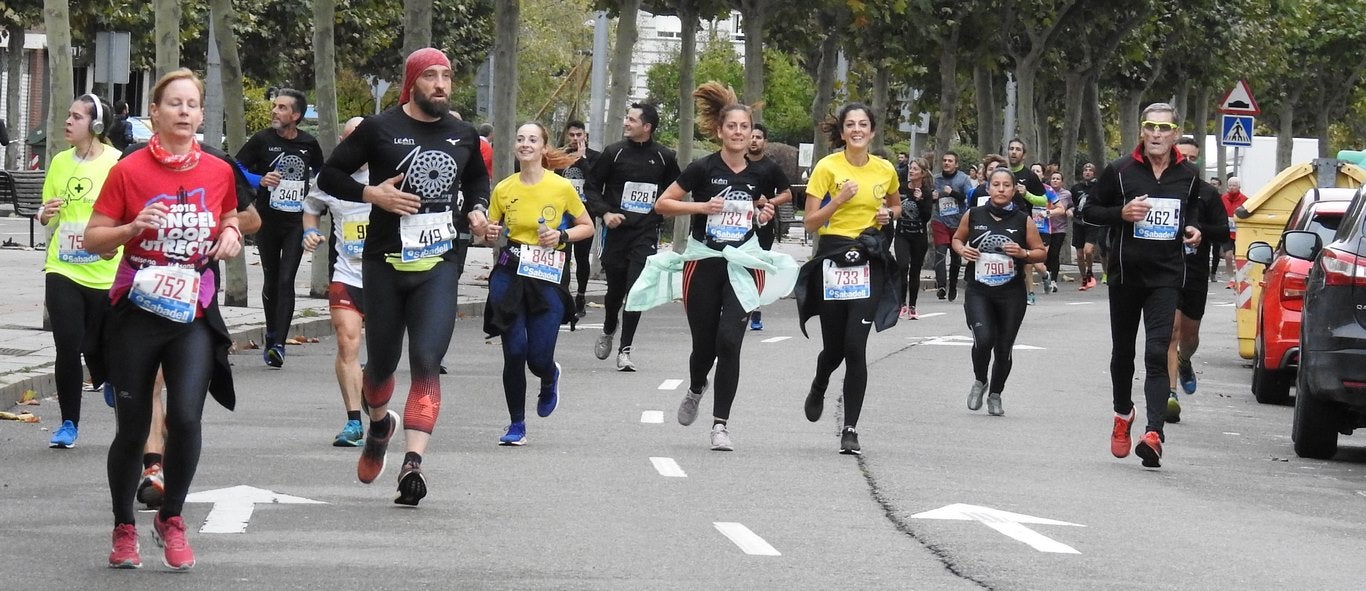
<point x="24" y="190"/>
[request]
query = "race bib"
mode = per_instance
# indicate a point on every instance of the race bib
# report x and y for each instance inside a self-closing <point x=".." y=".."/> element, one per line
<point x="638" y="197"/>
<point x="539" y="262"/>
<point x="425" y="235"/>
<point x="847" y="283"/>
<point x="168" y="292"/>
<point x="733" y="223"/>
<point x="288" y="196"/>
<point x="948" y="206"/>
<point x="353" y="229"/>
<point x="1162" y="220"/>
<point x="578" y="188"/>
<point x="1040" y="216"/>
<point x="1232" y="225"/>
<point x="994" y="269"/>
<point x="983" y="200"/>
<point x="71" y="244"/>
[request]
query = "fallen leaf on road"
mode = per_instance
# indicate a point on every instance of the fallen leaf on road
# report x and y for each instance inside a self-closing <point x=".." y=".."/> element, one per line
<point x="23" y="417"/>
<point x="29" y="397"/>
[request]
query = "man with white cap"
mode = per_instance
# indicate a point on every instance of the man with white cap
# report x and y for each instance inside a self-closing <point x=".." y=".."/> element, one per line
<point x="421" y="159"/>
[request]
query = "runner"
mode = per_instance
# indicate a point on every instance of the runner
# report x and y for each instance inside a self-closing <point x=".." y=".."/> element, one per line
<point x="542" y="215"/>
<point x="288" y="159"/>
<point x="345" y="293"/>
<point x="174" y="212"/>
<point x="420" y="159"/>
<point x="1082" y="231"/>
<point x="910" y="244"/>
<point x="851" y="282"/>
<point x="1060" y="202"/>
<point x="995" y="239"/>
<point x="622" y="187"/>
<point x="1232" y="200"/>
<point x="576" y="136"/>
<point x="950" y="201"/>
<point x="77" y="280"/>
<point x="1030" y="196"/>
<point x="1190" y="309"/>
<point x="725" y="272"/>
<point x="758" y="146"/>
<point x="1148" y="200"/>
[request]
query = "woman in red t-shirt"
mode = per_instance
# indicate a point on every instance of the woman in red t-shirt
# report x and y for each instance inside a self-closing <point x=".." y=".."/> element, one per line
<point x="175" y="213"/>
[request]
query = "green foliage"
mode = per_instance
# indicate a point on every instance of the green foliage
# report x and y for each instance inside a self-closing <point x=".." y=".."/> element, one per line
<point x="788" y="92"/>
<point x="257" y="111"/>
<point x="716" y="60"/>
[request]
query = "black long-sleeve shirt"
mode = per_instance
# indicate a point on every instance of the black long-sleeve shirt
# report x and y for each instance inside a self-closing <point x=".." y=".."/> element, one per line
<point x="649" y="168"/>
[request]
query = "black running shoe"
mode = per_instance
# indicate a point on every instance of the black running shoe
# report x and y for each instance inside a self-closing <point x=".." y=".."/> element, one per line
<point x="849" y="442"/>
<point x="412" y="486"/>
<point x="815" y="402"/>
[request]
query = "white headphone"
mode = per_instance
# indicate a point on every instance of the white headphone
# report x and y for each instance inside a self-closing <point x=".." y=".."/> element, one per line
<point x="97" y="124"/>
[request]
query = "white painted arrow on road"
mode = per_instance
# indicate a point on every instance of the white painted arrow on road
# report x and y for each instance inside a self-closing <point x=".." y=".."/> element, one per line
<point x="1010" y="524"/>
<point x="232" y="506"/>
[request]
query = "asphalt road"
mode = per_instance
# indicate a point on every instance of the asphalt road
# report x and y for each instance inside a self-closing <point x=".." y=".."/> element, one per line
<point x="584" y="506"/>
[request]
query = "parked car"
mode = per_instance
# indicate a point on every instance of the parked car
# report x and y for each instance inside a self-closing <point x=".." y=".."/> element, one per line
<point x="1330" y="395"/>
<point x="1277" y="348"/>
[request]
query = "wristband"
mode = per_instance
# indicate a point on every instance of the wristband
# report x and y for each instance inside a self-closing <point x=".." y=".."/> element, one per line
<point x="564" y="236"/>
<point x="309" y="231"/>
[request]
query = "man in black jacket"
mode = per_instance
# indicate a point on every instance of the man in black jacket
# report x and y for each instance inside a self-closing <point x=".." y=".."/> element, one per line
<point x="1147" y="200"/>
<point x="622" y="187"/>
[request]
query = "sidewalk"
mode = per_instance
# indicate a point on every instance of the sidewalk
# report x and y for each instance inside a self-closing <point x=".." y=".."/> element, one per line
<point x="27" y="355"/>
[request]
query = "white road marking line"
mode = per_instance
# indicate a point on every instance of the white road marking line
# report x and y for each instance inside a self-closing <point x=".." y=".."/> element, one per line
<point x="775" y="339"/>
<point x="1231" y="433"/>
<point x="670" y="384"/>
<point x="652" y="416"/>
<point x="931" y="314"/>
<point x="749" y="542"/>
<point x="668" y="467"/>
<point x="1080" y="303"/>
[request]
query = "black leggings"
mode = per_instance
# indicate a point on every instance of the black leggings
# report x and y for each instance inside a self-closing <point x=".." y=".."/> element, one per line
<point x="281" y="247"/>
<point x="844" y="339"/>
<point x="910" y="250"/>
<point x="579" y="264"/>
<point x="944" y="255"/>
<point x="424" y="304"/>
<point x="620" y="278"/>
<point x="138" y="343"/>
<point x="994" y="316"/>
<point x="1056" y="242"/>
<point x="1157" y="307"/>
<point x="77" y="313"/>
<point x="717" y="322"/>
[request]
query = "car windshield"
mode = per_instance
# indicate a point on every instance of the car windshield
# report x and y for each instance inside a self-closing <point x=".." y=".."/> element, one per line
<point x="1326" y="226"/>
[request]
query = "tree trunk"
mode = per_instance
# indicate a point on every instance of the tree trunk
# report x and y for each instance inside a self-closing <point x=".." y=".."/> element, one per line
<point x="1096" y="150"/>
<point x="167" y="35"/>
<point x="1026" y="73"/>
<point x="417" y="25"/>
<point x="753" y="12"/>
<point x="325" y="97"/>
<point x="985" y="96"/>
<point x="1179" y="99"/>
<point x="881" y="104"/>
<point x="234" y="126"/>
<point x="1321" y="122"/>
<point x="825" y="92"/>
<point x="1200" y="123"/>
<point x="687" y="107"/>
<point x="1128" y="119"/>
<point x="506" y="16"/>
<point x="621" y="60"/>
<point x="14" y="66"/>
<point x="1285" y="133"/>
<point x="1073" y="91"/>
<point x="946" y="126"/>
<point x="57" y="20"/>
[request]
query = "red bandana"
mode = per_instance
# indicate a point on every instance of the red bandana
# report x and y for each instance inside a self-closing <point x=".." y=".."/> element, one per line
<point x="174" y="161"/>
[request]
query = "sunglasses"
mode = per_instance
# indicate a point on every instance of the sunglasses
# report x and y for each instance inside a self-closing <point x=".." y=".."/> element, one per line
<point x="1159" y="126"/>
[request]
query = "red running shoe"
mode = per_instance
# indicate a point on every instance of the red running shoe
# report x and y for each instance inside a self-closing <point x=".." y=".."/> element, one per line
<point x="126" y="552"/>
<point x="1150" y="449"/>
<point x="372" y="457"/>
<point x="1120" y="441"/>
<point x="170" y="534"/>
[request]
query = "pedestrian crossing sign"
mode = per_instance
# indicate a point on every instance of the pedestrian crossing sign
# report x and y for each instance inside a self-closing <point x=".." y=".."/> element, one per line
<point x="1237" y="131"/>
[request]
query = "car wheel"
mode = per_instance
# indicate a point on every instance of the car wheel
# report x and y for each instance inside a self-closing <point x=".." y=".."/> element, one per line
<point x="1313" y="430"/>
<point x="1269" y="386"/>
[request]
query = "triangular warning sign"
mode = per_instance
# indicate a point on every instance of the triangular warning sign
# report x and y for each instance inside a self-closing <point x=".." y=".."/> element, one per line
<point x="1239" y="101"/>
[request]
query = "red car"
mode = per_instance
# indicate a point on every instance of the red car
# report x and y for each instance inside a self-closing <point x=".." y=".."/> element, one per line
<point x="1277" y="349"/>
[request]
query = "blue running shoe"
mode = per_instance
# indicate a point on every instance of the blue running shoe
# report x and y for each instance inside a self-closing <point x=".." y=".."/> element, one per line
<point x="756" y="320"/>
<point x="550" y="395"/>
<point x="516" y="434"/>
<point x="65" y="437"/>
<point x="275" y="356"/>
<point x="108" y="394"/>
<point x="1186" y="374"/>
<point x="352" y="435"/>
